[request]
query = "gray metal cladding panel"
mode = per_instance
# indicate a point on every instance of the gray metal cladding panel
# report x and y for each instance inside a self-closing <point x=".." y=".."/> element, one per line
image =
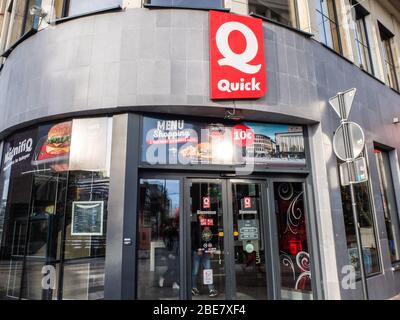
<point x="142" y="58"/>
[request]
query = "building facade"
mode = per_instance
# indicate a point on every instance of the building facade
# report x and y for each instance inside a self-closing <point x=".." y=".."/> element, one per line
<point x="122" y="179"/>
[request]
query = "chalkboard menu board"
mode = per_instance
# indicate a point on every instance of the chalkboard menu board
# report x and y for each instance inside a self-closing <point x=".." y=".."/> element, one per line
<point x="87" y="218"/>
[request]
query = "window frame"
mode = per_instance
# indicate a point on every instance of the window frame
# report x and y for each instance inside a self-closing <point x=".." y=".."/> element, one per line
<point x="361" y="31"/>
<point x="148" y="4"/>
<point x="292" y="5"/>
<point x="320" y="11"/>
<point x="389" y="64"/>
<point x="393" y="214"/>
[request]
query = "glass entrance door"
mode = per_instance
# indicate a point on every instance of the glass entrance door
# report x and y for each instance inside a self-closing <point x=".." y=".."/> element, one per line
<point x="207" y="237"/>
<point x="248" y="240"/>
<point x="227" y="247"/>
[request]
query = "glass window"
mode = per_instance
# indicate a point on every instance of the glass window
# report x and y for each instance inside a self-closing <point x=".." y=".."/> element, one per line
<point x="30" y="20"/>
<point x="388" y="202"/>
<point x="54" y="217"/>
<point x="363" y="51"/>
<point x="389" y="63"/>
<point x="250" y="264"/>
<point x="208" y="4"/>
<point x="85" y="235"/>
<point x="159" y="239"/>
<point x="186" y="142"/>
<point x="294" y="252"/>
<point x="282" y="11"/>
<point x="60" y="8"/>
<point x="17" y="21"/>
<point x="367" y="228"/>
<point x="207" y="240"/>
<point x="77" y="7"/>
<point x="327" y="24"/>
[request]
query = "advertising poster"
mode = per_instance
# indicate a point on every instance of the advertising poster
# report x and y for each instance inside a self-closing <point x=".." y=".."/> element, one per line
<point x="184" y="142"/>
<point x="18" y="152"/>
<point x="53" y="147"/>
<point x="39" y="149"/>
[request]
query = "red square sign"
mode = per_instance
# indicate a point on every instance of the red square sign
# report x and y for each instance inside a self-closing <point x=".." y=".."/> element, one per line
<point x="206" y="203"/>
<point x="247" y="202"/>
<point x="237" y="62"/>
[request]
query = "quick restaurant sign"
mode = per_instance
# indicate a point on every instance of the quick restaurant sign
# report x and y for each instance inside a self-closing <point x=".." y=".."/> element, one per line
<point x="237" y="61"/>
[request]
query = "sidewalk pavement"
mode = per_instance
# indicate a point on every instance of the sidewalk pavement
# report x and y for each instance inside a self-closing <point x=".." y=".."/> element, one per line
<point x="395" y="297"/>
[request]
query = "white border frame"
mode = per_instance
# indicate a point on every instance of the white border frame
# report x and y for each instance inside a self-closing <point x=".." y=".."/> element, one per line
<point x="87" y="233"/>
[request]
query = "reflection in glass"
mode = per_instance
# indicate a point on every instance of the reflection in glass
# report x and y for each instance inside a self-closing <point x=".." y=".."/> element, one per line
<point x="367" y="224"/>
<point x="159" y="238"/>
<point x="88" y="187"/>
<point x="207" y="4"/>
<point x="387" y="40"/>
<point x="84" y="280"/>
<point x="388" y="202"/>
<point x="327" y="23"/>
<point x="15" y="228"/>
<point x="248" y="242"/>
<point x="282" y="11"/>
<point x="37" y="193"/>
<point x="78" y="7"/>
<point x="207" y="241"/>
<point x="294" y="251"/>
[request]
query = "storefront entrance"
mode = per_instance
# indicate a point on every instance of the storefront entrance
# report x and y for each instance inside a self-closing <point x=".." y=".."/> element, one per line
<point x="227" y="252"/>
<point x="233" y="239"/>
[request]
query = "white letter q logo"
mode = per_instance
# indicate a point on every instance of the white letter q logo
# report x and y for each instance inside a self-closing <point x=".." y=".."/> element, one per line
<point x="237" y="61"/>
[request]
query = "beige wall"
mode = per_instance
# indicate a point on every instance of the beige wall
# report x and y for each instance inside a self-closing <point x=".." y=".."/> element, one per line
<point x="132" y="3"/>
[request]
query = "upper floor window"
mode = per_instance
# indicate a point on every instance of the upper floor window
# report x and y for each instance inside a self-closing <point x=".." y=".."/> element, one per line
<point x="77" y="7"/>
<point x="207" y="4"/>
<point x="387" y="51"/>
<point x="282" y="11"/>
<point x="63" y="8"/>
<point x="17" y="20"/>
<point x="30" y="20"/>
<point x="328" y="24"/>
<point x="363" y="51"/>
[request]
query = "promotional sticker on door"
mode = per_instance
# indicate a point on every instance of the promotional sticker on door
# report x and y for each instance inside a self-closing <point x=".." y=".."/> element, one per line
<point x="206" y="202"/>
<point x="237" y="61"/>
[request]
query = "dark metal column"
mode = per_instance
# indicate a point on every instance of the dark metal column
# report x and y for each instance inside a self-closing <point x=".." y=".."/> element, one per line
<point x="120" y="268"/>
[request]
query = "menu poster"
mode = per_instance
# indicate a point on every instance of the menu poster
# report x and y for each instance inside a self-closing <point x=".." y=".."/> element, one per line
<point x="87" y="218"/>
<point x="187" y="142"/>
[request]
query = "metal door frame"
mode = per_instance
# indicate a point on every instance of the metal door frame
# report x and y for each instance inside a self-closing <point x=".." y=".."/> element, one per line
<point x="229" y="261"/>
<point x="264" y="234"/>
<point x="270" y="232"/>
<point x="187" y="235"/>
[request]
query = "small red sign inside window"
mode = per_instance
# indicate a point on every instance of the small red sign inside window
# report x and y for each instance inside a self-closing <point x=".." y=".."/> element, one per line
<point x="206" y="203"/>
<point x="206" y="222"/>
<point x="247" y="202"/>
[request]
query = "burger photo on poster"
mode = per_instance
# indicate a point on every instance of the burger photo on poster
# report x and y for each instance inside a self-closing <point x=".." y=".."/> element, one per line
<point x="55" y="146"/>
<point x="59" y="139"/>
